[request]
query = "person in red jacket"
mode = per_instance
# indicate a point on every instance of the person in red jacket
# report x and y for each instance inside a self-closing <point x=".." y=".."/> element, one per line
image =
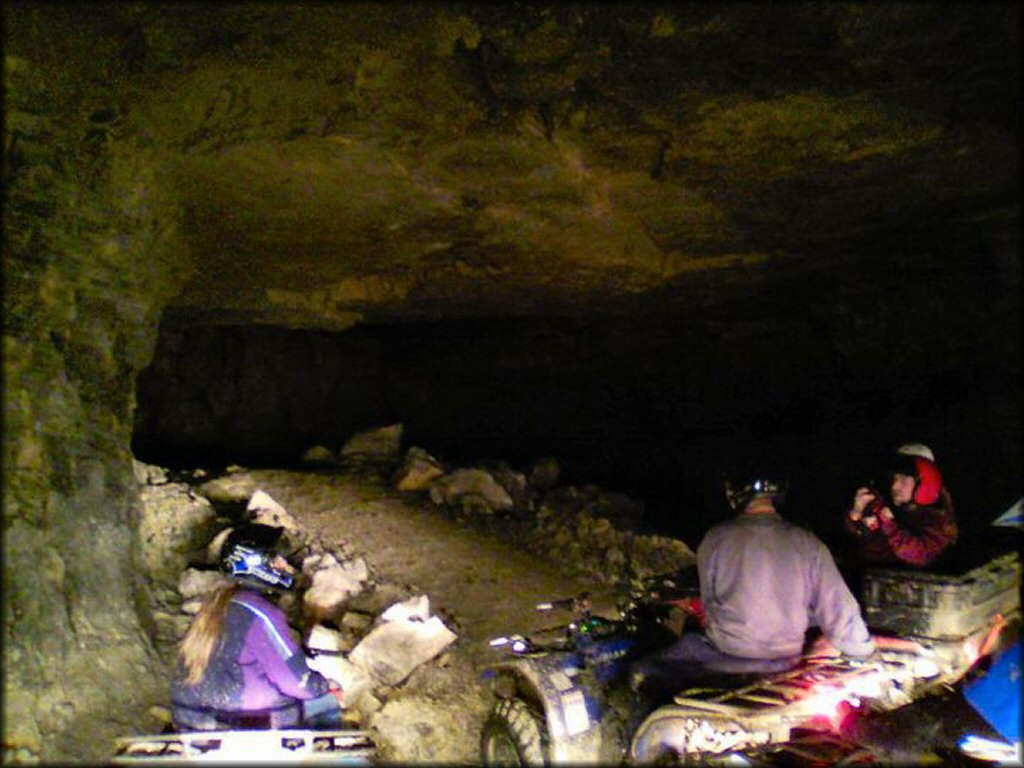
<point x="919" y="526"/>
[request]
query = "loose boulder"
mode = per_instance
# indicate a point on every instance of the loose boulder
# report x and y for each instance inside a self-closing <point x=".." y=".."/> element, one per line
<point x="545" y="473"/>
<point x="318" y="456"/>
<point x="231" y="490"/>
<point x="333" y="583"/>
<point x="515" y="485"/>
<point x="653" y="555"/>
<point x="214" y="548"/>
<point x="356" y="683"/>
<point x="418" y="471"/>
<point x="379" y="445"/>
<point x="402" y="642"/>
<point x="196" y="583"/>
<point x="466" y="486"/>
<point x="264" y="510"/>
<point x="148" y="474"/>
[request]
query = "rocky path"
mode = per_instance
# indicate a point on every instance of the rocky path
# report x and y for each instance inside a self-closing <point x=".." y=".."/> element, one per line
<point x="489" y="587"/>
<point x="475" y="581"/>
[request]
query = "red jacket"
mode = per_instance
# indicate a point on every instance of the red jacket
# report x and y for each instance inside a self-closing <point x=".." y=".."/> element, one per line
<point x="917" y="534"/>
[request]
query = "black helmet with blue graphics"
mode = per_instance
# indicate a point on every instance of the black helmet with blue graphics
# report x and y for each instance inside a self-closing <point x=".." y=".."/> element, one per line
<point x="248" y="555"/>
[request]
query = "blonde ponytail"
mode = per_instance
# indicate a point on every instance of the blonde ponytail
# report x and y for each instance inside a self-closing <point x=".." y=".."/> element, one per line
<point x="206" y="633"/>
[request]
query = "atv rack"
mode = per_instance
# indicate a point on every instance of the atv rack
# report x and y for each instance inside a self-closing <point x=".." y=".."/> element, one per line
<point x="244" y="747"/>
<point x="713" y="719"/>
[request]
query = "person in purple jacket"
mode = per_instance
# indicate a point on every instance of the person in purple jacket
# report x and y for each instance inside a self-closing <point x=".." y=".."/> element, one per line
<point x="763" y="583"/>
<point x="239" y="665"/>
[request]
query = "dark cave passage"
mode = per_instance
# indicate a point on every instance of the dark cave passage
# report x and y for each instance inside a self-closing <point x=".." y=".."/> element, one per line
<point x="636" y="406"/>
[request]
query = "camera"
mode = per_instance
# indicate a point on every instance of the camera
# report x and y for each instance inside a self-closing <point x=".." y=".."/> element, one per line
<point x="874" y="506"/>
<point x="869" y="517"/>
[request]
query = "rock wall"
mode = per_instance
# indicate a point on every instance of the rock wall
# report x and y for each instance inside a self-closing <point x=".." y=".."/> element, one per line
<point x="90" y="255"/>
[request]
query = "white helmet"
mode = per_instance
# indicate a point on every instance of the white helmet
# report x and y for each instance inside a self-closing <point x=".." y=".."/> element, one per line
<point x="916" y="449"/>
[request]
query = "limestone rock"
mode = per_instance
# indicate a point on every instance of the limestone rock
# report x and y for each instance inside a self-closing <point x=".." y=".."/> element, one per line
<point x="214" y="547"/>
<point x="357" y="621"/>
<point x="653" y="555"/>
<point x="414" y="609"/>
<point x="353" y="627"/>
<point x="160" y="714"/>
<point x="332" y="585"/>
<point x="424" y="731"/>
<point x="191" y="607"/>
<point x="381" y="444"/>
<point x="317" y="456"/>
<point x="171" y="627"/>
<point x="471" y="485"/>
<point x="356" y="568"/>
<point x="323" y="638"/>
<point x="396" y="647"/>
<point x="615" y="560"/>
<point x="235" y="488"/>
<point x="148" y="474"/>
<point x="197" y="583"/>
<point x="545" y="473"/>
<point x="354" y="681"/>
<point x="418" y="471"/>
<point x="264" y="510"/>
<point x="311" y="563"/>
<point x="367" y="704"/>
<point x="377" y="600"/>
<point x="173" y="525"/>
<point x="515" y="485"/>
<point x="598" y="532"/>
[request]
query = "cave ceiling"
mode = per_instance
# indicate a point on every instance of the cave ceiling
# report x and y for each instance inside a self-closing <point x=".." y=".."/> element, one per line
<point x="344" y="163"/>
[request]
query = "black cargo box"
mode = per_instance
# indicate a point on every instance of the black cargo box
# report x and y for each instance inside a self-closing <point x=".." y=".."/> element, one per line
<point x="945" y="604"/>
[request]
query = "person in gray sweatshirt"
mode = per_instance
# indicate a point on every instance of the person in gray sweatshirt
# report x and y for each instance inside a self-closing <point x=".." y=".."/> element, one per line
<point x="764" y="582"/>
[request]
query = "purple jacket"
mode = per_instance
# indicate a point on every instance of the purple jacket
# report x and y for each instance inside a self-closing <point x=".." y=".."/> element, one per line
<point x="258" y="675"/>
<point x="764" y="581"/>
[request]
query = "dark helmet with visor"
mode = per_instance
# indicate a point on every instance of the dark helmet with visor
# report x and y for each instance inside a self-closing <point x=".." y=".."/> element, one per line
<point x="739" y="493"/>
<point x="248" y="556"/>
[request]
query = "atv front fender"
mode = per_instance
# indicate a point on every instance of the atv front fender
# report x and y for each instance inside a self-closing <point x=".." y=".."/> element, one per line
<point x="571" y="714"/>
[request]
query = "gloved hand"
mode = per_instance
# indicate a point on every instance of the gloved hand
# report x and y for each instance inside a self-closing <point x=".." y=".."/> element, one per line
<point x="822" y="646"/>
<point x="861" y="499"/>
<point x="869" y="509"/>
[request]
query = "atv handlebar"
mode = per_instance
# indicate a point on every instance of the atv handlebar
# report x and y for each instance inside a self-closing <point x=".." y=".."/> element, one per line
<point x="581" y="604"/>
<point x="644" y="599"/>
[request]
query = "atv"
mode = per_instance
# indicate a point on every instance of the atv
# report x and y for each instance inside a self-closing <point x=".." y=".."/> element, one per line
<point x="562" y="692"/>
<point x="563" y="696"/>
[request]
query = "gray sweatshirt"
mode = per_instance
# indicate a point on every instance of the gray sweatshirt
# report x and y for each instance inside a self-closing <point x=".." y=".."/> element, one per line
<point x="764" y="581"/>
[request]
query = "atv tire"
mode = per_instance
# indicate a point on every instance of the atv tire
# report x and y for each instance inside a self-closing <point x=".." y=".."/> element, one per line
<point x="514" y="734"/>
